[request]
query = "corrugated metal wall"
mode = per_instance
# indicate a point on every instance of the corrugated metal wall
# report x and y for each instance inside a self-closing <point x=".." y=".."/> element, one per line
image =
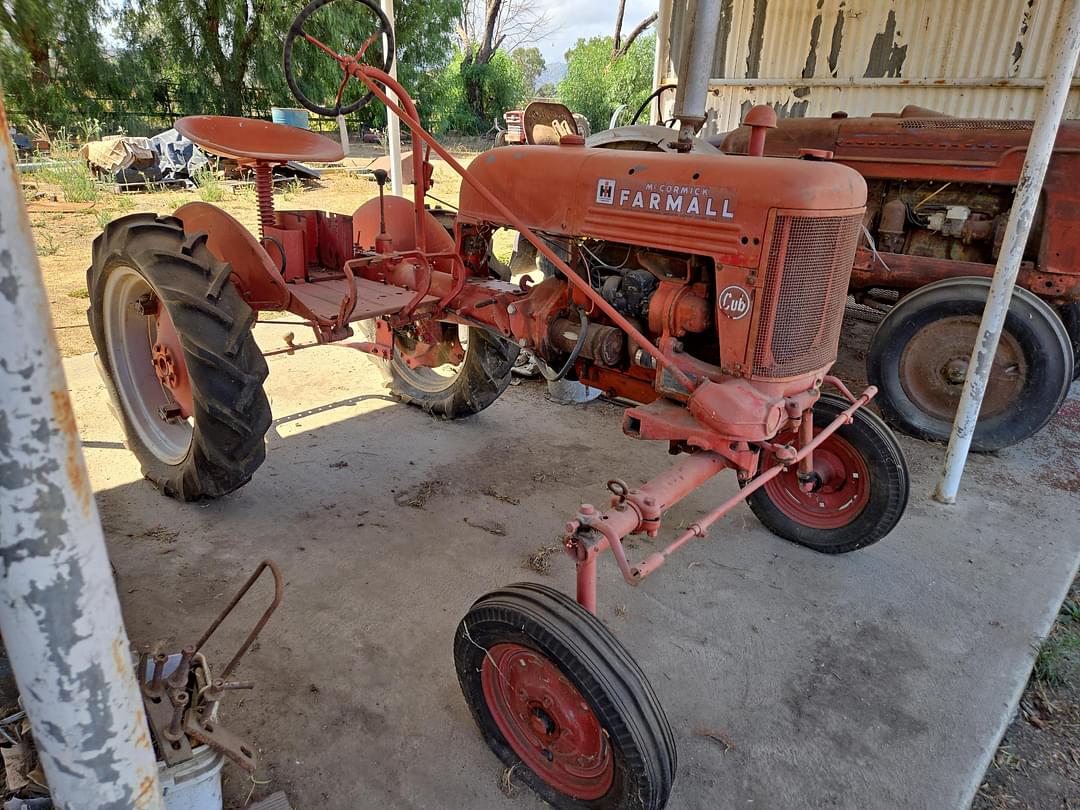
<point x="978" y="58"/>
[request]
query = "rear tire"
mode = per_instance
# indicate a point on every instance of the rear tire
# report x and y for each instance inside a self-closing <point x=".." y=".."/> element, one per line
<point x="862" y="493"/>
<point x="1070" y="316"/>
<point x="231" y="414"/>
<point x="918" y="357"/>
<point x="470" y="387"/>
<point x="561" y="701"/>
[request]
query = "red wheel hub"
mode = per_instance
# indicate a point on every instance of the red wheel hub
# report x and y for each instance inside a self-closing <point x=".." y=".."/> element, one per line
<point x="547" y="721"/>
<point x="169" y="365"/>
<point x="840" y="488"/>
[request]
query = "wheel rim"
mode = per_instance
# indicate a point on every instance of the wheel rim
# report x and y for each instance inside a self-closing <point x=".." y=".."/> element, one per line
<point x="426" y="378"/>
<point x="934" y="363"/>
<point x="148" y="368"/>
<point x="547" y="722"/>
<point x="840" y="493"/>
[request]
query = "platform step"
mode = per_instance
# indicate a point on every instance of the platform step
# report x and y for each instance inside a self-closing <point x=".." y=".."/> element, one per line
<point x="372" y="298"/>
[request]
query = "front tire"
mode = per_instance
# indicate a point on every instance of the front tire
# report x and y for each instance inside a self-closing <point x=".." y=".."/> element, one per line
<point x="919" y="354"/>
<point x="554" y="692"/>
<point x="861" y="492"/>
<point x="450" y="392"/>
<point x="150" y="284"/>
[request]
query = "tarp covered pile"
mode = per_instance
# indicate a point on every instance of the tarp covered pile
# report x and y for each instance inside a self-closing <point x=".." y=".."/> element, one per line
<point x="166" y="157"/>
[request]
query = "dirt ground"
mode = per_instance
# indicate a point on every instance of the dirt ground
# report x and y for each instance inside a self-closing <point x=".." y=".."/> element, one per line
<point x="1037" y="765"/>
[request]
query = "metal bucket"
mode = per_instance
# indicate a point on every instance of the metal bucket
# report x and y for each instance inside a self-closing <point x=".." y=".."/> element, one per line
<point x="293" y="116"/>
<point x="571" y="392"/>
<point x="195" y="784"/>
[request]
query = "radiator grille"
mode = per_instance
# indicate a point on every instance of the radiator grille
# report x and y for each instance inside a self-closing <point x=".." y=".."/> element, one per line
<point x="963" y="123"/>
<point x="806" y="281"/>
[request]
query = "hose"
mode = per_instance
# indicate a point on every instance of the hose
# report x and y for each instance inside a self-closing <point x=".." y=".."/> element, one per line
<point x="645" y="104"/>
<point x="545" y="369"/>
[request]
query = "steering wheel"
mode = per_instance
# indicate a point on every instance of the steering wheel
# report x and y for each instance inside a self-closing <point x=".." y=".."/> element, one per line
<point x="645" y="104"/>
<point x="347" y="63"/>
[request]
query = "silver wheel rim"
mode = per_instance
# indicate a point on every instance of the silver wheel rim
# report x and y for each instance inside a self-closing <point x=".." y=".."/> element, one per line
<point x="439" y="378"/>
<point x="128" y="340"/>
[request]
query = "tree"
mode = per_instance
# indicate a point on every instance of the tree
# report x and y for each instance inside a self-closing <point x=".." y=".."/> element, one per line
<point x="619" y="47"/>
<point x="50" y="55"/>
<point x="225" y="55"/>
<point x="547" y="90"/>
<point x="596" y="84"/>
<point x="485" y="27"/>
<point x="496" y="87"/>
<point x="530" y="63"/>
<point x="207" y="46"/>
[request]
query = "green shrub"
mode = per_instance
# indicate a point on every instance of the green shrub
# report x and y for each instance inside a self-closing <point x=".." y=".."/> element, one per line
<point x="210" y="187"/>
<point x="595" y="85"/>
<point x="74" y="177"/>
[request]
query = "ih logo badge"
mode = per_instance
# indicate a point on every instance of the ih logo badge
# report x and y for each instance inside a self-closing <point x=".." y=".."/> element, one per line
<point x="605" y="191"/>
<point x="734" y="302"/>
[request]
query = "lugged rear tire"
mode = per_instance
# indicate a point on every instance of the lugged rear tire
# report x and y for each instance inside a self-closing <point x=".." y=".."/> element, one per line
<point x="479" y="380"/>
<point x="231" y="412"/>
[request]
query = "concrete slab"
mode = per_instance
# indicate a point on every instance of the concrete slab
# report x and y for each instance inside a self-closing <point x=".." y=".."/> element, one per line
<point x="876" y="679"/>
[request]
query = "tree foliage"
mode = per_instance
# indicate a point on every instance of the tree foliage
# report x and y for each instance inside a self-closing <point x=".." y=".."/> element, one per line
<point x="466" y="86"/>
<point x="530" y="64"/>
<point x="50" y="53"/>
<point x="181" y="57"/>
<point x="596" y="83"/>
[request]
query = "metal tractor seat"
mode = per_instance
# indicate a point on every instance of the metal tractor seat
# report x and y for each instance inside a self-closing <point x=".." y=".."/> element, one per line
<point x="251" y="141"/>
<point x="305" y="253"/>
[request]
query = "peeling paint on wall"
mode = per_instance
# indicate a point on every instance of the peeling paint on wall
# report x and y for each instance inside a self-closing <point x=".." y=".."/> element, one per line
<point x="811" y="54"/>
<point x="723" y="34"/>
<point x="837" y="40"/>
<point x="757" y="39"/>
<point x="886" y="54"/>
<point x="1021" y="38"/>
<point x="968" y="58"/>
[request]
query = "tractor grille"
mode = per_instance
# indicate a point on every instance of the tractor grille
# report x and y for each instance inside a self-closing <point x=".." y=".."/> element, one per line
<point x="963" y="123"/>
<point x="806" y="281"/>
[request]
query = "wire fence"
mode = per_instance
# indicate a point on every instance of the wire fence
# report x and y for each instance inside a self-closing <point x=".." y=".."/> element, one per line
<point x="105" y="115"/>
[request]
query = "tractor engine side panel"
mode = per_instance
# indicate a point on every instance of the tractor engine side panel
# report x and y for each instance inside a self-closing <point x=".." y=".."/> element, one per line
<point x="703" y="205"/>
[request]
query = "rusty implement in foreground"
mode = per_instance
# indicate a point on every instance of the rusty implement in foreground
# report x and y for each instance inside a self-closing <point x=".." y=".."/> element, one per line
<point x="182" y="695"/>
<point x="707" y="289"/>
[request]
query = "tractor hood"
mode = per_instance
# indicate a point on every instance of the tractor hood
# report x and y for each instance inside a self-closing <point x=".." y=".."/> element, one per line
<point x="715" y="205"/>
<point x="916" y="143"/>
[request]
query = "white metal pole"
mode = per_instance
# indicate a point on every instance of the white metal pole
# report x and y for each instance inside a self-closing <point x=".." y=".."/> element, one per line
<point x="59" y="613"/>
<point x="1025" y="201"/>
<point x="699" y="47"/>
<point x="343" y="131"/>
<point x="660" y="60"/>
<point x="393" y="125"/>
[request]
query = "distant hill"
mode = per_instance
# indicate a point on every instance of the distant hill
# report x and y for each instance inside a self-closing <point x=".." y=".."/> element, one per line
<point x="554" y="72"/>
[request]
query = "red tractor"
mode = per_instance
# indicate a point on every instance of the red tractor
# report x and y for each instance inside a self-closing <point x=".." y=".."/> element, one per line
<point x="708" y="289"/>
<point x="939" y="194"/>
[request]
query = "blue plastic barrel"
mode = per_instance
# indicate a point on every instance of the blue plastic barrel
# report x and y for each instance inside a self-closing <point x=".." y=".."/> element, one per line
<point x="293" y="116"/>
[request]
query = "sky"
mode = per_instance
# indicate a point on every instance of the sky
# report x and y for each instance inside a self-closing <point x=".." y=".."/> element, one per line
<point x="576" y="19"/>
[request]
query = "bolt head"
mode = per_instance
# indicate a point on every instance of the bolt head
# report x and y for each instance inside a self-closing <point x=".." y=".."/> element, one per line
<point x="511" y="309"/>
<point x="587" y="509"/>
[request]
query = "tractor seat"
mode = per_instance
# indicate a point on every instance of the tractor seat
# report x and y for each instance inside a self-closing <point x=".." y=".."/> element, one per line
<point x="249" y="140"/>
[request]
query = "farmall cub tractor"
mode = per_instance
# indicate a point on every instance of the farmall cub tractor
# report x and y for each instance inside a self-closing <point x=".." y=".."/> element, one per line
<point x="708" y="289"/>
